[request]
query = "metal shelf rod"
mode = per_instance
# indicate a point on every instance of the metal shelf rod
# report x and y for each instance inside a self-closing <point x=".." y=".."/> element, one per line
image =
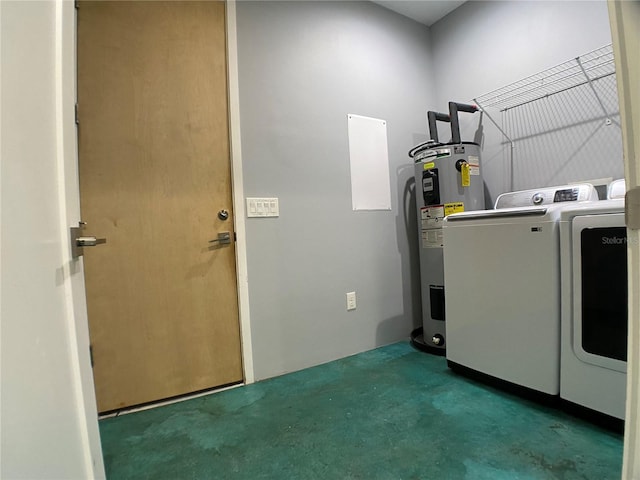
<point x="562" y="77"/>
<point x="556" y="92"/>
<point x="536" y="86"/>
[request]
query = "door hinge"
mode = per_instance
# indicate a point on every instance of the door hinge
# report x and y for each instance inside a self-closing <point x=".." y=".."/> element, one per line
<point x="91" y="354"/>
<point x="76" y="4"/>
<point x="77" y="118"/>
<point x="632" y="209"/>
<point x="235" y="237"/>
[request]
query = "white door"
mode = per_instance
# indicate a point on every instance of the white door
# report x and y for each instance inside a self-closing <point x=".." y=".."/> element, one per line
<point x="49" y="417"/>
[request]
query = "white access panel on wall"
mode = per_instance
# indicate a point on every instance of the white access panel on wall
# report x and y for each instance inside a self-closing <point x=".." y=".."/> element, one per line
<point x="369" y="161"/>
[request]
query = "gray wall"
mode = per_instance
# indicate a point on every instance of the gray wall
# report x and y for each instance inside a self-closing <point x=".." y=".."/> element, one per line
<point x="303" y="67"/>
<point x="482" y="46"/>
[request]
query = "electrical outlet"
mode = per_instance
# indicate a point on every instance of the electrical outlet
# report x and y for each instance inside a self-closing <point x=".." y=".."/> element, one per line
<point x="351" y="300"/>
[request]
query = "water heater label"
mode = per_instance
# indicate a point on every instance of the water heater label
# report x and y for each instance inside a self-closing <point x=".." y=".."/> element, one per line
<point x="456" y="207"/>
<point x="432" y="223"/>
<point x="433" y="211"/>
<point x="465" y="178"/>
<point x="474" y="165"/>
<point x="432" y="238"/>
<point x="429" y="166"/>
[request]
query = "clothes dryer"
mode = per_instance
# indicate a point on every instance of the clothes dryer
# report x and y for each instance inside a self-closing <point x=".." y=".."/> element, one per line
<point x="594" y="315"/>
<point x="502" y="275"/>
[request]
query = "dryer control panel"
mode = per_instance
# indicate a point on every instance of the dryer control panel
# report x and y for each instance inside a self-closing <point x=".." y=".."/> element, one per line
<point x="579" y="192"/>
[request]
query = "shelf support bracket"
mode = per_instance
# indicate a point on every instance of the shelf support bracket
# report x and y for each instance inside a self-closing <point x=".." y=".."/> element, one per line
<point x="511" y="142"/>
<point x="595" y="93"/>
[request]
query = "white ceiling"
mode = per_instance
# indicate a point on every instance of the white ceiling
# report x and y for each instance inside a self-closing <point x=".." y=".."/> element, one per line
<point x="423" y="11"/>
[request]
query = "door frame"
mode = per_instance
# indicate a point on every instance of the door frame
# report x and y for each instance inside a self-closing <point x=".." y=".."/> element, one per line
<point x="66" y="78"/>
<point x="237" y="188"/>
<point x="623" y="18"/>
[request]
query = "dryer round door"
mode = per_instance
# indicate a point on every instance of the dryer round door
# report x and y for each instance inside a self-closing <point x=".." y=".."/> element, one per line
<point x="599" y="323"/>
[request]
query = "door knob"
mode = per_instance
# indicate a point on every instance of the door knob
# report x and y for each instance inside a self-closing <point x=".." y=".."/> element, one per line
<point x="224" y="238"/>
<point x="89" y="241"/>
<point x="78" y="241"/>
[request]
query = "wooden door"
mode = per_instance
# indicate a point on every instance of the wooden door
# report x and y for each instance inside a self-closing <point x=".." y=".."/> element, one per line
<point x="154" y="173"/>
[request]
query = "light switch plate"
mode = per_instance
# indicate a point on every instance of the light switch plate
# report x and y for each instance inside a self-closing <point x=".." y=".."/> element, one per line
<point x="263" y="207"/>
<point x="351" y="300"/>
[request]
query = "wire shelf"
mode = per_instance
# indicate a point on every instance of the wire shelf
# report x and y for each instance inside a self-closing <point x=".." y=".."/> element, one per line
<point x="581" y="70"/>
<point x="560" y="125"/>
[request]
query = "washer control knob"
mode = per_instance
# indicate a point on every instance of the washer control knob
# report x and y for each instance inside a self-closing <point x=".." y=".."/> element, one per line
<point x="537" y="198"/>
<point x="438" y="340"/>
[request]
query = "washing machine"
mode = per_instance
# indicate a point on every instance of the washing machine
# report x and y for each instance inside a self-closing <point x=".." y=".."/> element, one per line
<point x="594" y="314"/>
<point x="502" y="275"/>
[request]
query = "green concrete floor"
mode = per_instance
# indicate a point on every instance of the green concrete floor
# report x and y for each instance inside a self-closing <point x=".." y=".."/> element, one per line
<point x="390" y="413"/>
